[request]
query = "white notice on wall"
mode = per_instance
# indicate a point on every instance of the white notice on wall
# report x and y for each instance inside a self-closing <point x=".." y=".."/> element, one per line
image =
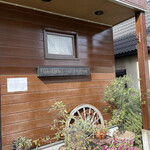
<point x="16" y="84"/>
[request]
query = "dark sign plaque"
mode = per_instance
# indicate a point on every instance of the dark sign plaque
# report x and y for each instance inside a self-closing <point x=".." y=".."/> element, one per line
<point x="62" y="71"/>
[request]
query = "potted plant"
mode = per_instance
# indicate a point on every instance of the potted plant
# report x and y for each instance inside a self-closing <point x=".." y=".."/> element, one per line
<point x="76" y="135"/>
<point x="101" y="131"/>
<point x="22" y="143"/>
<point x="125" y="106"/>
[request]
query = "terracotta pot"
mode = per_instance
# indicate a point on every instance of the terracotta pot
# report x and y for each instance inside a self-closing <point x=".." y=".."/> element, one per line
<point x="101" y="135"/>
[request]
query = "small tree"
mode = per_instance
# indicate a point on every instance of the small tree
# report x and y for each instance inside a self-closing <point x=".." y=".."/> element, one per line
<point x="125" y="105"/>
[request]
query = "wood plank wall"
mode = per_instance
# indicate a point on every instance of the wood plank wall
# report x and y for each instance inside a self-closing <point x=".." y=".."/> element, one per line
<point x="21" y="51"/>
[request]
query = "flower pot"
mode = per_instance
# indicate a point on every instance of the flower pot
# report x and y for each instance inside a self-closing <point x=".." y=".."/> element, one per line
<point x="101" y="135"/>
<point x="62" y="147"/>
<point x="128" y="135"/>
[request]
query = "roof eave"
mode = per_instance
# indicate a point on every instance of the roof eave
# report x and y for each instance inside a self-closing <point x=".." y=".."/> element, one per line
<point x="128" y="5"/>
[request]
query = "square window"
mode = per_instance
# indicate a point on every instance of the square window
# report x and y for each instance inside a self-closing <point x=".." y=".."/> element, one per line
<point x="60" y="44"/>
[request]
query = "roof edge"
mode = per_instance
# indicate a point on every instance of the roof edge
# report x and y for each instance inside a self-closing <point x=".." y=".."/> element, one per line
<point x="128" y="5"/>
<point x="129" y="53"/>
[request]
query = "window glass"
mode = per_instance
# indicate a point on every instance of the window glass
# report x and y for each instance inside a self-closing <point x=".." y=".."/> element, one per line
<point x="60" y="45"/>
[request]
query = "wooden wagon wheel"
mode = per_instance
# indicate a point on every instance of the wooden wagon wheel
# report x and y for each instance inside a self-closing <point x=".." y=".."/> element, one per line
<point x="85" y="111"/>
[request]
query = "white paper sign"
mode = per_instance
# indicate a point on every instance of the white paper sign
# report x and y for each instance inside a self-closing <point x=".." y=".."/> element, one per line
<point x="16" y="84"/>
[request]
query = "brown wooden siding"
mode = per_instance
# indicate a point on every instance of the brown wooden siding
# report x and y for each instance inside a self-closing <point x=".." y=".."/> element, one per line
<point x="22" y="50"/>
<point x="25" y="113"/>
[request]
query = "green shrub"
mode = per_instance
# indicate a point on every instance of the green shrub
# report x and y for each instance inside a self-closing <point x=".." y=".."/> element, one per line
<point x="125" y="105"/>
<point x="76" y="135"/>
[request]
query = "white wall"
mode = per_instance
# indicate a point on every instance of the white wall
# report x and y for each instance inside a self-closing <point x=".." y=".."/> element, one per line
<point x="130" y="64"/>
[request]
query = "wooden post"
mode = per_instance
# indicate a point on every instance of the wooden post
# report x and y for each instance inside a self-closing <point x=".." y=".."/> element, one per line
<point x="143" y="66"/>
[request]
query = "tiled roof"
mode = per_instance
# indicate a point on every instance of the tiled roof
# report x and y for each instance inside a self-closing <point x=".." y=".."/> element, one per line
<point x="124" y="35"/>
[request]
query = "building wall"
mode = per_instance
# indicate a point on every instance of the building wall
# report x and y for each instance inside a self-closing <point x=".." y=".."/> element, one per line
<point x="130" y="63"/>
<point x="22" y="51"/>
